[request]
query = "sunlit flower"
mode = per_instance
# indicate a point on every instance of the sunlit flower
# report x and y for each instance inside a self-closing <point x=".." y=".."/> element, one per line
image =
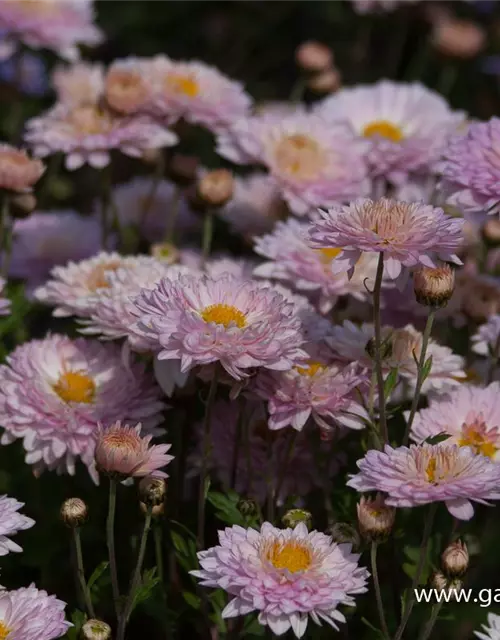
<point x="18" y="172"/>
<point x="486" y="340"/>
<point x="287" y="575"/>
<point x="492" y="629"/>
<point x="55" y="391"/>
<point x="4" y="302"/>
<point x="428" y="473"/>
<point x="78" y="84"/>
<point x="11" y="522"/>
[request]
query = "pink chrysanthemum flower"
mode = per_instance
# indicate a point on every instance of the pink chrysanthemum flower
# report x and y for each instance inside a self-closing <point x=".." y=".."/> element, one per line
<point x="55" y="391"/>
<point x="200" y="320"/>
<point x="128" y="86"/>
<point x="406" y="125"/>
<point x="4" y="302"/>
<point x="88" y="133"/>
<point x="408" y="234"/>
<point x="492" y="629"/>
<point x="311" y="162"/>
<point x="31" y="614"/>
<point x="428" y="473"/>
<point x="471" y="169"/>
<point x="60" y="26"/>
<point x="11" y="522"/>
<point x="486" y="340"/>
<point x="287" y="575"/>
<point x="120" y="450"/>
<point x="78" y="84"/>
<point x="18" y="172"/>
<point x="469" y="415"/>
<point x="44" y="240"/>
<point x="323" y="392"/>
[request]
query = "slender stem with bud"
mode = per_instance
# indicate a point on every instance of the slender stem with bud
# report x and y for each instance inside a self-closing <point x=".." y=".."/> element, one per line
<point x="378" y="348"/>
<point x="427" y="630"/>
<point x="378" y="593"/>
<point x="110" y="535"/>
<point x="420" y="375"/>
<point x="81" y="572"/>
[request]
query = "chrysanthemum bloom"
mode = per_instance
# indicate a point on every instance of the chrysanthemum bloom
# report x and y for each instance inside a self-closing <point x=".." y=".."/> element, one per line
<point x="18" y="172"/>
<point x="78" y="84"/>
<point x="469" y="415"/>
<point x="428" y="473"/>
<point x="72" y="288"/>
<point x="471" y="169"/>
<point x="55" y="391"/>
<point x="50" y="24"/>
<point x="4" y="302"/>
<point x="492" y="629"/>
<point x="486" y="340"/>
<point x="323" y="392"/>
<point x="197" y="93"/>
<point x="44" y="240"/>
<point x="350" y="342"/>
<point x="288" y="575"/>
<point x="89" y="132"/>
<point x="311" y="162"/>
<point x="127" y="89"/>
<point x="200" y="320"/>
<point x="375" y="518"/>
<point x="406" y="125"/>
<point x="408" y="234"/>
<point x="31" y="614"/>
<point x="11" y="522"/>
<point x="120" y="450"/>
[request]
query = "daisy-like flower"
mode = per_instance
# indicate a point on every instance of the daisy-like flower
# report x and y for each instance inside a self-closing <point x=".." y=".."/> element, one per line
<point x="287" y="575"/>
<point x="18" y="172"/>
<point x="31" y="614"/>
<point x="471" y="169"/>
<point x="55" y="391"/>
<point x="469" y="415"/>
<point x="89" y="132"/>
<point x="491" y="630"/>
<point x="323" y="392"/>
<point x="4" y="302"/>
<point x="121" y="451"/>
<point x="50" y="24"/>
<point x="486" y="340"/>
<point x="43" y="240"/>
<point x="11" y="522"/>
<point x="78" y="84"/>
<point x="408" y="234"/>
<point x="241" y="324"/>
<point x="406" y="125"/>
<point x="428" y="473"/>
<point x="311" y="162"/>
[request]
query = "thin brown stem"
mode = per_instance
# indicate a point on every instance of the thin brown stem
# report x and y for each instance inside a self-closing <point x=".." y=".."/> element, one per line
<point x="81" y="572"/>
<point x="110" y="535"/>
<point x="378" y="592"/>
<point x="378" y="348"/>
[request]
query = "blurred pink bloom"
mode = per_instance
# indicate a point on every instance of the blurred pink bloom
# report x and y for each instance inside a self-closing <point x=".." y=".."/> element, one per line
<point x="485" y="341"/>
<point x="11" y="522"/>
<point x="78" y="84"/>
<point x="18" y="172"/>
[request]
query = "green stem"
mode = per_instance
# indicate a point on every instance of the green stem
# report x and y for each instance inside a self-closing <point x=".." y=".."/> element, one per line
<point x="110" y="534"/>
<point x="427" y="630"/>
<point x="378" y="593"/>
<point x="378" y="348"/>
<point x="447" y="79"/>
<point x="420" y="376"/>
<point x="494" y="356"/>
<point x="237" y="444"/>
<point x="208" y="230"/>
<point x="81" y="572"/>
<point x="157" y="530"/>
<point x="5" y="235"/>
<point x="284" y="466"/>
<point x="298" y="90"/>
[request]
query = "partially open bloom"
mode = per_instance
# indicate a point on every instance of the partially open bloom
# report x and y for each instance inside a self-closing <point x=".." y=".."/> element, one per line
<point x="55" y="391"/>
<point x="311" y="162"/>
<point x="18" y="172"/>
<point x="406" y="125"/>
<point x="375" y="518"/>
<point x="471" y="169"/>
<point x="120" y="450"/>
<point x="455" y="559"/>
<point x="469" y="415"/>
<point x="78" y="84"/>
<point x="11" y="522"/>
<point x="74" y="512"/>
<point x="486" y="340"/>
<point x="50" y="24"/>
<point x="239" y="323"/>
<point x="408" y="234"/>
<point x="288" y="575"/>
<point x="4" y="302"/>
<point x="492" y="629"/>
<point x="428" y="473"/>
<point x="434" y="286"/>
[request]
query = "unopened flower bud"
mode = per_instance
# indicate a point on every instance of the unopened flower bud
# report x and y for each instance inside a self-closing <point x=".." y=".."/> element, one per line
<point x="434" y="286"/>
<point x="247" y="508"/>
<point x="215" y="188"/>
<point x="183" y="169"/>
<point x="22" y="205"/>
<point x="375" y="518"/>
<point x="151" y="156"/>
<point x="325" y="82"/>
<point x="342" y="533"/>
<point x="152" y="491"/>
<point x="385" y="348"/>
<point x="166" y="252"/>
<point x="491" y="231"/>
<point x="95" y="630"/>
<point x="440" y="582"/>
<point x="455" y="559"/>
<point x="458" y="38"/>
<point x="157" y="511"/>
<point x="74" y="512"/>
<point x="313" y="56"/>
<point x="294" y="516"/>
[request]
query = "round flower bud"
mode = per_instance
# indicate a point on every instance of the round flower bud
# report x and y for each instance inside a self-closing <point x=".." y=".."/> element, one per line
<point x="375" y="518"/>
<point x="458" y="38"/>
<point x="74" y="512"/>
<point x="247" y="508"/>
<point x="152" y="156"/>
<point x="293" y="516"/>
<point x="313" y="56"/>
<point x="455" y="559"/>
<point x="125" y="90"/>
<point x="22" y="205"/>
<point x="157" y="511"/>
<point x="491" y="231"/>
<point x="95" y="630"/>
<point x="325" y="82"/>
<point x="152" y="491"/>
<point x="183" y="169"/>
<point x="215" y="188"/>
<point x="441" y="583"/>
<point x="166" y="252"/>
<point x="342" y="532"/>
<point x="434" y="287"/>
<point x="385" y="347"/>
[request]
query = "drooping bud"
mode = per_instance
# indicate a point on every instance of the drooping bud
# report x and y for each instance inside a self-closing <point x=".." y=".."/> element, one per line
<point x="95" y="630"/>
<point x="247" y="508"/>
<point x="314" y="56"/>
<point x="455" y="559"/>
<point x="325" y="82"/>
<point x="215" y="188"/>
<point x="441" y="583"/>
<point x="74" y="512"/>
<point x="22" y="205"/>
<point x="152" y="491"/>
<point x="434" y="286"/>
<point x="294" y="516"/>
<point x="183" y="169"/>
<point x="375" y="518"/>
<point x="344" y="533"/>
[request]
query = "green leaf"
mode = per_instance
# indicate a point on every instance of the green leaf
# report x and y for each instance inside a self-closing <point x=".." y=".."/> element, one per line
<point x="390" y="382"/>
<point x="438" y="438"/>
<point x="426" y="368"/>
<point x="78" y="618"/>
<point x="98" y="571"/>
<point x="180" y="544"/>
<point x="149" y="582"/>
<point x="372" y="627"/>
<point x="191" y="599"/>
<point x="226" y="507"/>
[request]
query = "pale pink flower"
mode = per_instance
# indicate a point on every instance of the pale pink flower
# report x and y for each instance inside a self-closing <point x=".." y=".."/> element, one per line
<point x="18" y="172"/>
<point x="78" y="84"/>
<point x="486" y="340"/>
<point x="11" y="522"/>
<point x="492" y="629"/>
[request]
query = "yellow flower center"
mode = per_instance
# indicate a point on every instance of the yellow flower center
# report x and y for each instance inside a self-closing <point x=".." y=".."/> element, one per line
<point x="327" y="255"/>
<point x="183" y="84"/>
<point x="300" y="156"/>
<point x="292" y="556"/>
<point x="383" y="129"/>
<point x="75" y="386"/>
<point x="4" y="631"/>
<point x="475" y="435"/>
<point x="311" y="369"/>
<point x="430" y="470"/>
<point x="90" y="120"/>
<point x="96" y="279"/>
<point x="224" y="314"/>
